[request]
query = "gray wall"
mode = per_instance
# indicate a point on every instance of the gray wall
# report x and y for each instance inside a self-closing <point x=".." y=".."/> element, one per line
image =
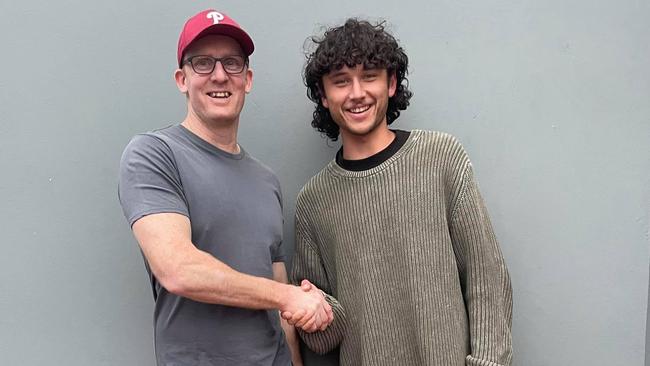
<point x="550" y="98"/>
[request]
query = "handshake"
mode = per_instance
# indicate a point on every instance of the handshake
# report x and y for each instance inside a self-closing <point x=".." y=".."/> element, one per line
<point x="306" y="308"/>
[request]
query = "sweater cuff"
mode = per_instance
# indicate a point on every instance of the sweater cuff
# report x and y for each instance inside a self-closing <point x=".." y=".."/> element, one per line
<point x="325" y="341"/>
<point x="473" y="361"/>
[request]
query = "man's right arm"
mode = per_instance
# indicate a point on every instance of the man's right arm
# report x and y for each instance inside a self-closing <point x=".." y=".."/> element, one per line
<point x="308" y="264"/>
<point x="183" y="269"/>
<point x="152" y="198"/>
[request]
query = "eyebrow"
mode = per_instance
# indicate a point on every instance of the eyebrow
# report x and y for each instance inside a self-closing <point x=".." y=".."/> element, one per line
<point x="337" y="73"/>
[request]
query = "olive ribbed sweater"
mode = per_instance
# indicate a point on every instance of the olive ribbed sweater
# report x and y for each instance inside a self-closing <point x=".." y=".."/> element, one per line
<point x="407" y="252"/>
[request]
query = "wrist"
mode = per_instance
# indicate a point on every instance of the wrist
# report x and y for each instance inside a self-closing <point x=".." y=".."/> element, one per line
<point x="281" y="295"/>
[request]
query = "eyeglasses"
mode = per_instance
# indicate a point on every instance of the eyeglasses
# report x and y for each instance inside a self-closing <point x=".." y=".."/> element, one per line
<point x="205" y="64"/>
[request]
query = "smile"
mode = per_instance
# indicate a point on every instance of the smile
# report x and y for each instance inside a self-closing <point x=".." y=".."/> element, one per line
<point x="223" y="94"/>
<point x="359" y="109"/>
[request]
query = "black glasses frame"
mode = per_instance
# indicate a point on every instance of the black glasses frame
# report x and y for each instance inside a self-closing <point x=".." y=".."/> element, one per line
<point x="244" y="63"/>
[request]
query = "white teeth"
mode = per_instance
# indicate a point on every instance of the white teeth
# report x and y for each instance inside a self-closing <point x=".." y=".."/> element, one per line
<point x="360" y="109"/>
<point x="219" y="94"/>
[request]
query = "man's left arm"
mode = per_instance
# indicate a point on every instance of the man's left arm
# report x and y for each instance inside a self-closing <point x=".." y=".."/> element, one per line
<point x="280" y="275"/>
<point x="484" y="278"/>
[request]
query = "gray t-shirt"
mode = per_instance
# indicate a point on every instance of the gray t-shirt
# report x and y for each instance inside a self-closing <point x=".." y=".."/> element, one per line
<point x="234" y="204"/>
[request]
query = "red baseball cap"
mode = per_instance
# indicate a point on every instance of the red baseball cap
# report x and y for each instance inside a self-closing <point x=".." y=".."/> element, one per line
<point x="212" y="22"/>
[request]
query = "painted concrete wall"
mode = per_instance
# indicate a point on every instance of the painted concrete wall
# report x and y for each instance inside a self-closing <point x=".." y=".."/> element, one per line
<point x="550" y="98"/>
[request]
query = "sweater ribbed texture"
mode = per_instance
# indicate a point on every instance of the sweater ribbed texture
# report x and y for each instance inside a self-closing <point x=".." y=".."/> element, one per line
<point x="407" y="252"/>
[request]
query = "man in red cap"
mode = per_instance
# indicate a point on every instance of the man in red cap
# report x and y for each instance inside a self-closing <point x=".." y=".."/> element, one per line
<point x="208" y="218"/>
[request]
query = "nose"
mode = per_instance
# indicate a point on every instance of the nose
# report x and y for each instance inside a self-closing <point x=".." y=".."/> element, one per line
<point x="219" y="74"/>
<point x="357" y="91"/>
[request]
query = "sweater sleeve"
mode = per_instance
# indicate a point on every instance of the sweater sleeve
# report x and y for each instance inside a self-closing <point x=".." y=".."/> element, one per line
<point x="308" y="263"/>
<point x="484" y="278"/>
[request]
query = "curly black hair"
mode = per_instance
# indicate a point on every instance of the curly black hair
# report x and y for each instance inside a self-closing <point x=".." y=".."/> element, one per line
<point x="357" y="42"/>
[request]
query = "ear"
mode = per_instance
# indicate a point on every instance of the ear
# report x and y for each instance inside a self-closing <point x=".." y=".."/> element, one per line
<point x="181" y="80"/>
<point x="392" y="85"/>
<point x="324" y="101"/>
<point x="249" y="80"/>
<point x="323" y="98"/>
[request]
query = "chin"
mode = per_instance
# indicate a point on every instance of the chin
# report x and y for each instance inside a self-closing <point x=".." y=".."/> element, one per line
<point x="222" y="118"/>
<point x="361" y="129"/>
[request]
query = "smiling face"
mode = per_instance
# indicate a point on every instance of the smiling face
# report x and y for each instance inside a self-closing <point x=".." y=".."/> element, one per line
<point x="357" y="99"/>
<point x="218" y="97"/>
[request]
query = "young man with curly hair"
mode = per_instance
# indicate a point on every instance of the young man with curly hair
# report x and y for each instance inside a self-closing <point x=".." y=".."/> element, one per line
<point x="394" y="229"/>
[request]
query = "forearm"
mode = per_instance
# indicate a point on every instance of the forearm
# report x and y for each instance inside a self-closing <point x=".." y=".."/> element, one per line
<point x="489" y="308"/>
<point x="185" y="270"/>
<point x="292" y="342"/>
<point x="308" y="265"/>
<point x="202" y="277"/>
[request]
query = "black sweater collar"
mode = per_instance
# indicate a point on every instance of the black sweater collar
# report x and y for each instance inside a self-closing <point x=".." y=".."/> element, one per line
<point x="374" y="160"/>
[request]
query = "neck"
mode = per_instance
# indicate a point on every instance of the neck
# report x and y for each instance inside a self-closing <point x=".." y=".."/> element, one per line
<point x="357" y="147"/>
<point x="222" y="136"/>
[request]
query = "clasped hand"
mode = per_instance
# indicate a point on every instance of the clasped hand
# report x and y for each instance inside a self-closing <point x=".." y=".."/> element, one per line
<point x="307" y="308"/>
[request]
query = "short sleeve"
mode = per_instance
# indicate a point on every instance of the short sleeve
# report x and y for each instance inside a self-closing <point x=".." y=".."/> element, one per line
<point x="277" y="254"/>
<point x="149" y="181"/>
